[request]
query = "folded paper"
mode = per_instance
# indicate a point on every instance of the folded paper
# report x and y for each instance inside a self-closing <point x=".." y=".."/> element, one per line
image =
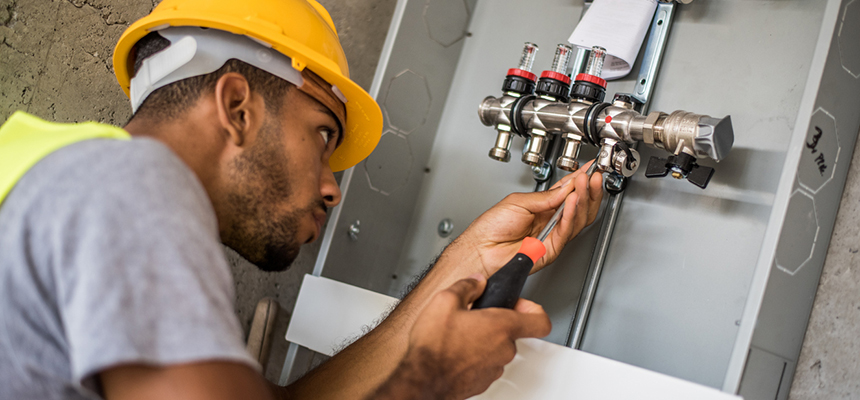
<point x="619" y="26"/>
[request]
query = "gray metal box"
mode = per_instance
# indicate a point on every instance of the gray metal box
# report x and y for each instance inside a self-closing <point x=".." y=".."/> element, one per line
<point x="713" y="286"/>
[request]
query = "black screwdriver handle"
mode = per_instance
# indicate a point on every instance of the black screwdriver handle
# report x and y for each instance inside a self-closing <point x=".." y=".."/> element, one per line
<point x="504" y="287"/>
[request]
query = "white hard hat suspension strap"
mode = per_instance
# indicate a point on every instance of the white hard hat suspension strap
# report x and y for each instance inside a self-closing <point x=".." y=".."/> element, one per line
<point x="198" y="51"/>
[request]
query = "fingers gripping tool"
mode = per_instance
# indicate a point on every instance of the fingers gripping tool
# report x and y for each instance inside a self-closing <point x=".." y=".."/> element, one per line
<point x="504" y="287"/>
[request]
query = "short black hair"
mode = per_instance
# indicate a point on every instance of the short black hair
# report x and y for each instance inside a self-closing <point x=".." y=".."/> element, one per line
<point x="170" y="101"/>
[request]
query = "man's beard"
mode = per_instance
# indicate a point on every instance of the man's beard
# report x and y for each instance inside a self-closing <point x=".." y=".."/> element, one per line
<point x="260" y="232"/>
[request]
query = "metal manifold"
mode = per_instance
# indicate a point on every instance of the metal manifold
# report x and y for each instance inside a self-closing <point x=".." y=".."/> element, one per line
<point x="557" y="115"/>
<point x="556" y="118"/>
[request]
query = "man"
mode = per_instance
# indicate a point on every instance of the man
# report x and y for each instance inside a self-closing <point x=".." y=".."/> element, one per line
<point x="114" y="284"/>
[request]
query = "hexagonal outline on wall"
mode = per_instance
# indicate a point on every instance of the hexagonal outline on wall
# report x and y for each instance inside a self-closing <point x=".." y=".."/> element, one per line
<point x="388" y="92"/>
<point x="814" y="240"/>
<point x="430" y="32"/>
<point x="409" y="169"/>
<point x="839" y="41"/>
<point x="835" y="160"/>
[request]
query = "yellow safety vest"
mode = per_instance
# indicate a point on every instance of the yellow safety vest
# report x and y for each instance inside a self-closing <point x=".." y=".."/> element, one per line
<point x="26" y="140"/>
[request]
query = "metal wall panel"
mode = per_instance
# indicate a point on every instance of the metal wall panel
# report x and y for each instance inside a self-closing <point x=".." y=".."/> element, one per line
<point x="693" y="278"/>
<point x="382" y="190"/>
<point x="823" y="153"/>
<point x="682" y="259"/>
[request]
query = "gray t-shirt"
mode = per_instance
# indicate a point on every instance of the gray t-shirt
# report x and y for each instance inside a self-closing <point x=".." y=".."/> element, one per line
<point x="109" y="254"/>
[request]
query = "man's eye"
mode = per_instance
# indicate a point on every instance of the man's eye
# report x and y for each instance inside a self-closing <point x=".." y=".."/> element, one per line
<point x="326" y="134"/>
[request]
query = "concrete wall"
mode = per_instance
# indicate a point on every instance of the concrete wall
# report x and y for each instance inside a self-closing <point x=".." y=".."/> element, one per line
<point x="55" y="63"/>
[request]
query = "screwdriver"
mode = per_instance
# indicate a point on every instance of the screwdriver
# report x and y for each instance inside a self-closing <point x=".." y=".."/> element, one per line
<point x="504" y="287"/>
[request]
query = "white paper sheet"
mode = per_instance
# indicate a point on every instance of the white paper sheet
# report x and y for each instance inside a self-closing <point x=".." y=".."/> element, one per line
<point x="619" y="26"/>
<point x="328" y="312"/>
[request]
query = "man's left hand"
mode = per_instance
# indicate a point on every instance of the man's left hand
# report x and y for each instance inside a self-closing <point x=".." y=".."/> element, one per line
<point x="497" y="234"/>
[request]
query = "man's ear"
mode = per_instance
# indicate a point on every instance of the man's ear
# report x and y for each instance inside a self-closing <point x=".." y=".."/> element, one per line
<point x="240" y="112"/>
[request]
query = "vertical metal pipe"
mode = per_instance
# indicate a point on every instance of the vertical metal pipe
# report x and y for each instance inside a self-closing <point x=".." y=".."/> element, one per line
<point x="576" y="65"/>
<point x="657" y="39"/>
<point x="555" y="145"/>
<point x="581" y="56"/>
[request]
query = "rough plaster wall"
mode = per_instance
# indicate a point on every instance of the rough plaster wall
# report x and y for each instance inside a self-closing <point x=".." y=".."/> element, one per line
<point x="55" y="58"/>
<point x="55" y="63"/>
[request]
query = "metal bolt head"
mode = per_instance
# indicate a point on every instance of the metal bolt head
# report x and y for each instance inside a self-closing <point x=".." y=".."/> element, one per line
<point x="677" y="175"/>
<point x="446" y="226"/>
<point x="542" y="173"/>
<point x="354" y="230"/>
<point x="613" y="181"/>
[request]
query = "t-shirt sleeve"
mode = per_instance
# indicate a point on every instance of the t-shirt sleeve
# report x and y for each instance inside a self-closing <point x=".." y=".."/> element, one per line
<point x="142" y="276"/>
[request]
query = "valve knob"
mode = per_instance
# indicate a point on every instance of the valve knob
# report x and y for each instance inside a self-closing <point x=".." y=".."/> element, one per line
<point x="681" y="166"/>
<point x="714" y="137"/>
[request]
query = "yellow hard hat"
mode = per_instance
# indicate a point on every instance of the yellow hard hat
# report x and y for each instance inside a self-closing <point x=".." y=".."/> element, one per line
<point x="300" y="29"/>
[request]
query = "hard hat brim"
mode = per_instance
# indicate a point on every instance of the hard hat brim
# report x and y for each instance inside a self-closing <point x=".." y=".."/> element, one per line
<point x="364" y="117"/>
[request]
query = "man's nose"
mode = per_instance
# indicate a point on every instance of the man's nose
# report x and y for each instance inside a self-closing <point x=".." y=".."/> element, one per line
<point x="329" y="188"/>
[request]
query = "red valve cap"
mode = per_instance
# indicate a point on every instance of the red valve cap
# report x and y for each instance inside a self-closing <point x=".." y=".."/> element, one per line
<point x="557" y="76"/>
<point x="522" y="73"/>
<point x="592" y="79"/>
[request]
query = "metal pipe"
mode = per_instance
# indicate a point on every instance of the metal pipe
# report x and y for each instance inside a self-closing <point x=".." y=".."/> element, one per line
<point x="578" y="64"/>
<point x="554" y="151"/>
<point x="589" y="289"/>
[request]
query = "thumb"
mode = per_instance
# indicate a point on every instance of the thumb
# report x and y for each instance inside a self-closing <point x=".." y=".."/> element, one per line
<point x="532" y="320"/>
<point x="466" y="291"/>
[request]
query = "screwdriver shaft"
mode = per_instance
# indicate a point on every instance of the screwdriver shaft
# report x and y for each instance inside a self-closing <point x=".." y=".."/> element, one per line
<point x="551" y="224"/>
<point x="555" y="217"/>
<point x="592" y="168"/>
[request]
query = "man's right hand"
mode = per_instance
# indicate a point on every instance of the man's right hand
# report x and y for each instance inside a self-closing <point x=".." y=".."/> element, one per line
<point x="455" y="352"/>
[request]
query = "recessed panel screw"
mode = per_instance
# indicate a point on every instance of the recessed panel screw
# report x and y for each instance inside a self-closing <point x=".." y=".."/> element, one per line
<point x="446" y="226"/>
<point x="354" y="230"/>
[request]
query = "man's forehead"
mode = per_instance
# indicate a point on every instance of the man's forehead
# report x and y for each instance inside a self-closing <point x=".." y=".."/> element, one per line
<point x="321" y="91"/>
